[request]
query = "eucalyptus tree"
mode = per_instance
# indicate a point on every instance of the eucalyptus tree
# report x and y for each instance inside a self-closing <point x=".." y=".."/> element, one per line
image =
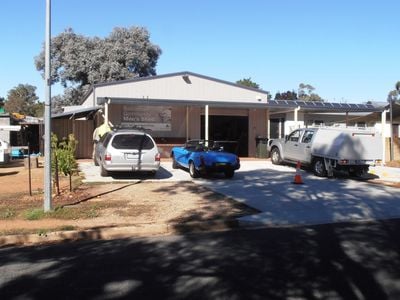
<point x="78" y="61"/>
<point x="248" y="82"/>
<point x="306" y="93"/>
<point x="22" y="99"/>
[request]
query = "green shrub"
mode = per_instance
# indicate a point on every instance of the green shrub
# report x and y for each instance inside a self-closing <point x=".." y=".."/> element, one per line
<point x="35" y="214"/>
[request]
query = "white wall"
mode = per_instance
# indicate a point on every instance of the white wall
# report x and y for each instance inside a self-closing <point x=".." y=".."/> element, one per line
<point x="5" y="134"/>
<point x="290" y="124"/>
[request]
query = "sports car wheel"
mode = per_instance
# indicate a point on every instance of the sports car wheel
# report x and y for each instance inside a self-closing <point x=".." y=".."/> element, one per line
<point x="229" y="173"/>
<point x="174" y="163"/>
<point x="192" y="170"/>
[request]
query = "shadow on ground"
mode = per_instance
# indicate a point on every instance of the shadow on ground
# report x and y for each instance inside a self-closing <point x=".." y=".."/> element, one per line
<point x="162" y="173"/>
<point x="346" y="261"/>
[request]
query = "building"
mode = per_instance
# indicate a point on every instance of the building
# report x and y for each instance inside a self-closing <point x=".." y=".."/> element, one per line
<point x="180" y="106"/>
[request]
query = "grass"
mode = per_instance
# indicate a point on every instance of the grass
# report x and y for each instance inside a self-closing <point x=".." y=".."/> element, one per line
<point x="7" y="213"/>
<point x="40" y="232"/>
<point x="34" y="214"/>
<point x="63" y="213"/>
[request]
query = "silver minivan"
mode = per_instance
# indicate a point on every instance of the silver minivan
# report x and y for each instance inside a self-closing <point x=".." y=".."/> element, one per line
<point x="126" y="150"/>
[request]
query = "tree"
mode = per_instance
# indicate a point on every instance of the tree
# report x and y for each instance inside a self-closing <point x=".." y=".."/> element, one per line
<point x="289" y="95"/>
<point x="394" y="95"/>
<point x="63" y="157"/>
<point x="248" y="82"/>
<point x="22" y="99"/>
<point x="2" y="101"/>
<point x="78" y="61"/>
<point x="306" y="93"/>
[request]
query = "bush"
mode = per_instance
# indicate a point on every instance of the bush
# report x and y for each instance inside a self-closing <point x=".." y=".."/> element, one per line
<point x="63" y="156"/>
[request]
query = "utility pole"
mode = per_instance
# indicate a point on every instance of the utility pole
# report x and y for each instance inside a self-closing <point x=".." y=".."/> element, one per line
<point x="47" y="114"/>
<point x="391" y="130"/>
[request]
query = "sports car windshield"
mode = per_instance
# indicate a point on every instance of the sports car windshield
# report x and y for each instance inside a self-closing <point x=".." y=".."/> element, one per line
<point x="203" y="145"/>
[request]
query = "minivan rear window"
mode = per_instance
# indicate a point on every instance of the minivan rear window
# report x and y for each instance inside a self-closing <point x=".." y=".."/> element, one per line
<point x="132" y="141"/>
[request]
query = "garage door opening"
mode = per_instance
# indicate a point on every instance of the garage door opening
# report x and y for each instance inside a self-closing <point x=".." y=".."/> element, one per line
<point x="229" y="128"/>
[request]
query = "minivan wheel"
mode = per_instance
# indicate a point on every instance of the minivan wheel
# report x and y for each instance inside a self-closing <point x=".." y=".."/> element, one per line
<point x="276" y="156"/>
<point x="192" y="170"/>
<point x="103" y="172"/>
<point x="319" y="167"/>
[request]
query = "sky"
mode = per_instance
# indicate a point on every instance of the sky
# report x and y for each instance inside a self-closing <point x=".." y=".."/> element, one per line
<point x="347" y="50"/>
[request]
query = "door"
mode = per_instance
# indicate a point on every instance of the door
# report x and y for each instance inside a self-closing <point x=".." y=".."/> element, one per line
<point x="298" y="145"/>
<point x="229" y="128"/>
<point x="276" y="128"/>
<point x="304" y="150"/>
<point x="292" y="145"/>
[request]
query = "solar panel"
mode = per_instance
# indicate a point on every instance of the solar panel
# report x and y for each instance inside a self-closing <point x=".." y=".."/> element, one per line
<point x="301" y="103"/>
<point x="328" y="106"/>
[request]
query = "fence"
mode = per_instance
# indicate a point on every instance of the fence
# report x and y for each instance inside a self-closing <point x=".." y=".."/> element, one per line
<point x="81" y="129"/>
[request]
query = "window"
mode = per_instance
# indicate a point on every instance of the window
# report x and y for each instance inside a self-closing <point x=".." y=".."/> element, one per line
<point x="294" y="136"/>
<point x="307" y="136"/>
<point x="105" y="139"/>
<point x="132" y="141"/>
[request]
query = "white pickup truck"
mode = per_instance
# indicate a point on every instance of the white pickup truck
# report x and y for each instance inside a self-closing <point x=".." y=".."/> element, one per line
<point x="327" y="149"/>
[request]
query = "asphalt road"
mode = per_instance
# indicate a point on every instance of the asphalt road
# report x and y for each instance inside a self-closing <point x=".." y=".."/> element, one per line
<point x="342" y="261"/>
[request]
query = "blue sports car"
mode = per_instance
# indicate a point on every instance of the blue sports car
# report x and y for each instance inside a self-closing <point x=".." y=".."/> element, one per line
<point x="202" y="157"/>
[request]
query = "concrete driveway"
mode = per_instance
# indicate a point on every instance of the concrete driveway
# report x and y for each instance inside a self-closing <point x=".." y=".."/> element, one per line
<point x="269" y="189"/>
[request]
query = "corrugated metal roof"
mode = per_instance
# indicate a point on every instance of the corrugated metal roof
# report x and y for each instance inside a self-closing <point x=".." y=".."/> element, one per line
<point x="323" y="106"/>
<point x="273" y="105"/>
<point x="78" y="113"/>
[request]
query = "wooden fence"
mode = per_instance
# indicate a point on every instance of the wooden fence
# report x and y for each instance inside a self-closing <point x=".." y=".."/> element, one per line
<point x="81" y="129"/>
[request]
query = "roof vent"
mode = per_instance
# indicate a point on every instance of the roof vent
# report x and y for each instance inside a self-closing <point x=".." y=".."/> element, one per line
<point x="186" y="79"/>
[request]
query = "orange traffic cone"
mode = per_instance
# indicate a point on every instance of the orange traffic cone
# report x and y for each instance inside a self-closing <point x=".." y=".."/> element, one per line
<point x="297" y="177"/>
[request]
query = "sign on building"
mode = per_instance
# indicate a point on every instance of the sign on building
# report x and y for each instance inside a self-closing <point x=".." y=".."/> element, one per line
<point x="154" y="118"/>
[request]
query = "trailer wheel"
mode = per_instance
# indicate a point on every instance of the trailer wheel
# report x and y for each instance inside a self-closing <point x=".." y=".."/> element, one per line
<point x="319" y="167"/>
<point x="276" y="156"/>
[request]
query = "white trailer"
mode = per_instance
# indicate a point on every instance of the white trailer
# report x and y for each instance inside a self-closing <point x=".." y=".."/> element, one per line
<point x="327" y="149"/>
<point x="5" y="149"/>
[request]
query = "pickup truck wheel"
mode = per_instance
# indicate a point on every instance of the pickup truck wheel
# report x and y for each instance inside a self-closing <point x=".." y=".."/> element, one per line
<point x="192" y="170"/>
<point x="174" y="163"/>
<point x="276" y="156"/>
<point x="319" y="167"/>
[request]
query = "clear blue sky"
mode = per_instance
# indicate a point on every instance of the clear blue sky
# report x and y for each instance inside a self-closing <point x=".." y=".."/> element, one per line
<point x="348" y="50"/>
